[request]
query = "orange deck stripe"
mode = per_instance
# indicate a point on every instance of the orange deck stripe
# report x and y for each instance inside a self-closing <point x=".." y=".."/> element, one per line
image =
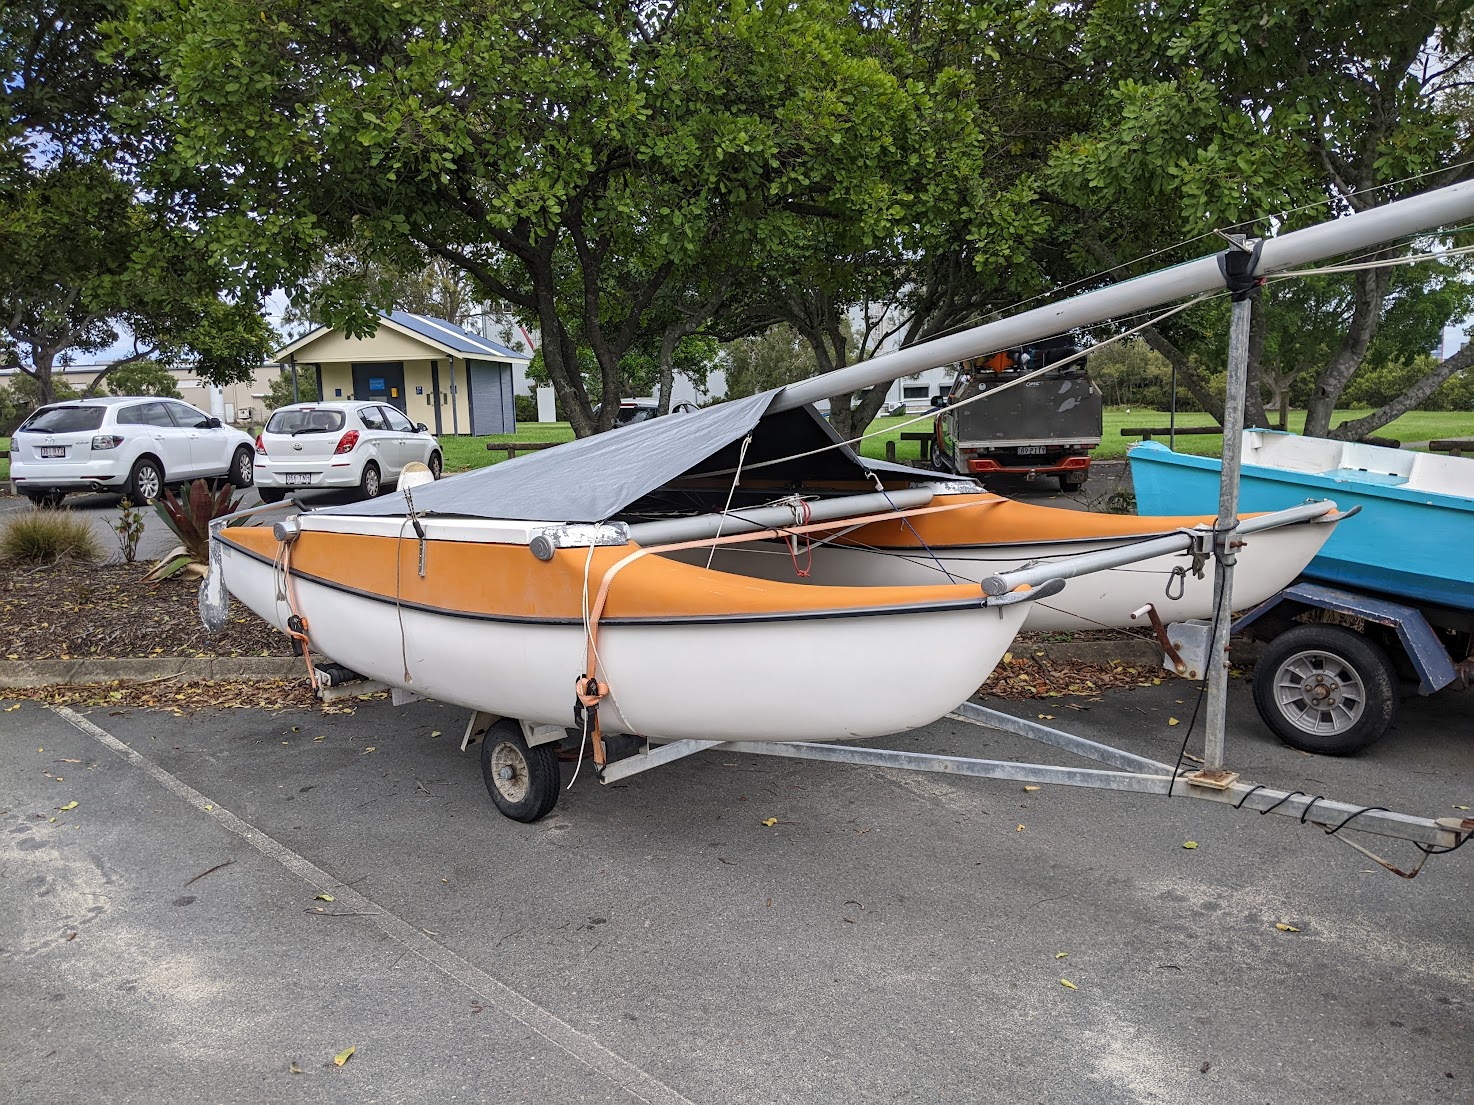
<point x="507" y="580"/>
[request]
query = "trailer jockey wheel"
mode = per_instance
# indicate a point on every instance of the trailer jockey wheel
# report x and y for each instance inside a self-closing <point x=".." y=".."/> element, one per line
<point x="1326" y="689"/>
<point x="523" y="782"/>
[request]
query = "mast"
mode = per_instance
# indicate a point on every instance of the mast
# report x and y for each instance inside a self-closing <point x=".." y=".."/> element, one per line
<point x="1316" y="243"/>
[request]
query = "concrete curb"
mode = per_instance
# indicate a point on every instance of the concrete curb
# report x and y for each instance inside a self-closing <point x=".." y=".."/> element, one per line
<point x="45" y="673"/>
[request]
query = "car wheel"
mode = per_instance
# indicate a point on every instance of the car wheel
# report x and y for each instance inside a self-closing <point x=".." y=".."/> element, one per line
<point x="243" y="467"/>
<point x="370" y="485"/>
<point x="435" y="465"/>
<point x="1325" y="689"/>
<point x="50" y="499"/>
<point x="146" y="481"/>
<point x="271" y="494"/>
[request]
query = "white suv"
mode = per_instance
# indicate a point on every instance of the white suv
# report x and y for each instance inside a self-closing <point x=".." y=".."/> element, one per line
<point x="315" y="446"/>
<point x="132" y="445"/>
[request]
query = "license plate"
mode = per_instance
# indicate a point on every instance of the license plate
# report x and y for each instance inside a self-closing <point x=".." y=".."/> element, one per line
<point x="53" y="451"/>
<point x="299" y="479"/>
<point x="1030" y="449"/>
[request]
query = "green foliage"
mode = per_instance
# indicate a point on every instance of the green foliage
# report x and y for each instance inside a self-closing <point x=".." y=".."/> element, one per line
<point x="279" y="392"/>
<point x="143" y="378"/>
<point x="44" y="536"/>
<point x="1378" y="384"/>
<point x="191" y="516"/>
<point x="20" y="397"/>
<point x="90" y="251"/>
<point x="129" y="530"/>
<point x="766" y="361"/>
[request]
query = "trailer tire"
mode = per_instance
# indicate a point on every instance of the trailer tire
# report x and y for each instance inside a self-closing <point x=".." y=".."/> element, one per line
<point x="523" y="782"/>
<point x="1325" y="689"/>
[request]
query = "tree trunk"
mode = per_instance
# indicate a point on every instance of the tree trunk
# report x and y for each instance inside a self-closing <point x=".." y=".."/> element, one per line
<point x="1254" y="414"/>
<point x="1366" y="317"/>
<point x="1408" y="400"/>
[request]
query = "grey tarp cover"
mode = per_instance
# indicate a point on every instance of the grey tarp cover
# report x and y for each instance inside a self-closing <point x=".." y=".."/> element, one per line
<point x="595" y="478"/>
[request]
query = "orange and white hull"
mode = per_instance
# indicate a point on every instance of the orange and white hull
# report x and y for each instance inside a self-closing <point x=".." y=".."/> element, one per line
<point x="686" y="652"/>
<point x="994" y="535"/>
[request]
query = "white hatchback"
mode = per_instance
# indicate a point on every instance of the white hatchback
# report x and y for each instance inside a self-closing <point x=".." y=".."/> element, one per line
<point x="316" y="446"/>
<point x="132" y="445"/>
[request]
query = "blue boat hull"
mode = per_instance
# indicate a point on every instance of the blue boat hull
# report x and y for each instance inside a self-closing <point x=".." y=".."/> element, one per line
<point x="1413" y="544"/>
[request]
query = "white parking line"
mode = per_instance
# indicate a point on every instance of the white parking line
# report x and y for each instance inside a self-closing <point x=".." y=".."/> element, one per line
<point x="639" y="1084"/>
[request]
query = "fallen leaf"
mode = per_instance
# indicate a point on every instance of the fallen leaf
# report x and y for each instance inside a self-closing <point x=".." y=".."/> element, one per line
<point x="1030" y="790"/>
<point x="1046" y="717"/>
<point x="294" y="1068"/>
<point x="344" y="1055"/>
<point x="1461" y="807"/>
<point x="296" y="728"/>
<point x="1019" y="829"/>
<point x="1172" y="721"/>
<point x="1068" y="984"/>
<point x="1284" y="927"/>
<point x="1061" y="955"/>
<point x="323" y="898"/>
<point x="17" y="706"/>
<point x="321" y="738"/>
<point x="209" y="807"/>
<point x="435" y="732"/>
<point x="1189" y="844"/>
<point x="770" y="822"/>
<point x="69" y="806"/>
<point x="370" y="748"/>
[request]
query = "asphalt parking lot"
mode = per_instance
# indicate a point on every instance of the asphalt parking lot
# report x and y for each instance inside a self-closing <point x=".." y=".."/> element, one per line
<point x="891" y="937"/>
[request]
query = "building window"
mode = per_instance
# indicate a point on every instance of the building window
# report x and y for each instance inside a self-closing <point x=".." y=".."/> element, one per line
<point x="915" y="391"/>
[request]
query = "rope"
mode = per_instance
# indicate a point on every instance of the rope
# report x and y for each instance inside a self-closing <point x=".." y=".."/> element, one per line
<point x="907" y="523"/>
<point x="736" y="479"/>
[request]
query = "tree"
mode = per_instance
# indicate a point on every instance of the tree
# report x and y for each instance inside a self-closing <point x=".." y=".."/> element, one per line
<point x="1229" y="113"/>
<point x="142" y="378"/>
<point x="766" y="361"/>
<point x="601" y="168"/>
<point x="86" y="254"/>
<point x="279" y="391"/>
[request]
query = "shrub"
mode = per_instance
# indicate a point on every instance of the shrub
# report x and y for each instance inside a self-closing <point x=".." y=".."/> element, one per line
<point x="43" y="536"/>
<point x="191" y="516"/>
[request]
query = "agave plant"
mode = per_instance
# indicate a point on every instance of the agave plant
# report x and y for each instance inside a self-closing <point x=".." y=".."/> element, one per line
<point x="190" y="520"/>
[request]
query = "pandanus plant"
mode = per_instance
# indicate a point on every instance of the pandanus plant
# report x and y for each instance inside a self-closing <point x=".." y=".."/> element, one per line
<point x="190" y="519"/>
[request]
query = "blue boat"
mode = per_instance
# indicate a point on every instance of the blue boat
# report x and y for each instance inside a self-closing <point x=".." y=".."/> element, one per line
<point x="1413" y="539"/>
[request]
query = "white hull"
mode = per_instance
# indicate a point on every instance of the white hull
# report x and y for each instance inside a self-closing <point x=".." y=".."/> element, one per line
<point x="805" y="678"/>
<point x="1267" y="563"/>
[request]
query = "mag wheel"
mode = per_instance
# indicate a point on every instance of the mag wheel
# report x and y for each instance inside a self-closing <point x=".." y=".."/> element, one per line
<point x="1325" y="689"/>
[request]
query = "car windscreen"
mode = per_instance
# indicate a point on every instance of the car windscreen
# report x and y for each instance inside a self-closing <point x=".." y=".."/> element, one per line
<point x="64" y="420"/>
<point x="314" y="421"/>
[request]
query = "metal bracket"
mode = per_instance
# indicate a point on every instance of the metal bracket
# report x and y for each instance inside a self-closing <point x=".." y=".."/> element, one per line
<point x="477" y="726"/>
<point x="1177" y="664"/>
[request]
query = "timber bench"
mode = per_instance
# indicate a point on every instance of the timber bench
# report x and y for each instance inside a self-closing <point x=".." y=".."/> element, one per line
<point x="1458" y="446"/>
<point x="1146" y="432"/>
<point x="512" y="448"/>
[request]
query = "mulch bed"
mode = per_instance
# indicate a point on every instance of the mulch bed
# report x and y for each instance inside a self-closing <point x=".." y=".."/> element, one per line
<point x="73" y="610"/>
<point x="1023" y="676"/>
<point x="182" y="696"/>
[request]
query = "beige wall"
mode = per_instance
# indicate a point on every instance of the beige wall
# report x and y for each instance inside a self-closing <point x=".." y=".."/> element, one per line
<point x="388" y="344"/>
<point x="419" y="406"/>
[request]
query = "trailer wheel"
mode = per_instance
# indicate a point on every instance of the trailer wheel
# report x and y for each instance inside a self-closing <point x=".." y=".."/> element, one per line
<point x="1325" y="689"/>
<point x="523" y="782"/>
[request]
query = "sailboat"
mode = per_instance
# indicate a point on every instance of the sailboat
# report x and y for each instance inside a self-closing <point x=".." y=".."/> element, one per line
<point x="599" y="584"/>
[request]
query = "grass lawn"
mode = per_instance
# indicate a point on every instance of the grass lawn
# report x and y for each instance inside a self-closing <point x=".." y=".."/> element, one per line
<point x="462" y="453"/>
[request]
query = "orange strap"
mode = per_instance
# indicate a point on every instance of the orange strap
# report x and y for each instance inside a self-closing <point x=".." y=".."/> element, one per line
<point x="300" y="636"/>
<point x="597" y="610"/>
